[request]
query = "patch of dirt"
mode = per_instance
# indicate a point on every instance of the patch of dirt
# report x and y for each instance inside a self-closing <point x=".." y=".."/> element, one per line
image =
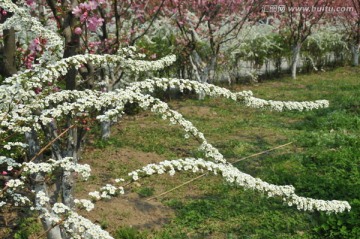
<point x="202" y="111"/>
<point x="130" y="211"/>
<point x="127" y="210"/>
<point x="121" y="155"/>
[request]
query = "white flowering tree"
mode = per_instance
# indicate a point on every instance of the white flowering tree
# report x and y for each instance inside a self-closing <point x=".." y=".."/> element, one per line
<point x="43" y="124"/>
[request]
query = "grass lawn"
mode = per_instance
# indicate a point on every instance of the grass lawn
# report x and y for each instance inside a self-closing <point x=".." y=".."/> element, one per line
<point x="322" y="162"/>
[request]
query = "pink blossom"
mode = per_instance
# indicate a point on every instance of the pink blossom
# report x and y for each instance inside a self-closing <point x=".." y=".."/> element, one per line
<point x="77" y="31"/>
<point x="77" y="11"/>
<point x="84" y="16"/>
<point x="95" y="44"/>
<point x="84" y="6"/>
<point x="4" y="173"/>
<point x="94" y="23"/>
<point x="37" y="90"/>
<point x="30" y="2"/>
<point x="92" y="5"/>
<point x="35" y="45"/>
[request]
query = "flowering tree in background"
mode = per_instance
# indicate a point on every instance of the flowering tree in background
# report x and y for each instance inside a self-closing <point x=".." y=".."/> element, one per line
<point x="297" y="20"/>
<point x="205" y="26"/>
<point x="351" y="22"/>
<point x="44" y="121"/>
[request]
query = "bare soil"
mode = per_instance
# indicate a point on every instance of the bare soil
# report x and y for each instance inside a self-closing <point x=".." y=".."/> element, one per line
<point x="128" y="210"/>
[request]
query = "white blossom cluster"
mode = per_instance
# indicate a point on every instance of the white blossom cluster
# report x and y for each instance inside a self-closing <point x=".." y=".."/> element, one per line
<point x="106" y="192"/>
<point x="20" y="200"/>
<point x="28" y="168"/>
<point x="233" y="175"/>
<point x="32" y="167"/>
<point x="285" y="105"/>
<point x="119" y="180"/>
<point x="83" y="101"/>
<point x="75" y="225"/>
<point x="66" y="164"/>
<point x="309" y="204"/>
<point x="18" y="94"/>
<point x="86" y="204"/>
<point x="14" y="199"/>
<point x="40" y="75"/>
<point x="14" y="183"/>
<point x="42" y="199"/>
<point x="81" y="228"/>
<point x="11" y="163"/>
<point x="95" y="195"/>
<point x="246" y="97"/>
<point x="10" y="194"/>
<point x="22" y="20"/>
<point x="9" y="145"/>
<point x="149" y="85"/>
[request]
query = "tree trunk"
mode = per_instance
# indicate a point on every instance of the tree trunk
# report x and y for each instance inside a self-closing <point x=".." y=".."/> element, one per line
<point x="210" y="69"/>
<point x="204" y="72"/>
<point x="355" y="54"/>
<point x="105" y="129"/>
<point x="295" y="59"/>
<point x="68" y="179"/>
<point x="38" y="182"/>
<point x="72" y="45"/>
<point x="7" y="61"/>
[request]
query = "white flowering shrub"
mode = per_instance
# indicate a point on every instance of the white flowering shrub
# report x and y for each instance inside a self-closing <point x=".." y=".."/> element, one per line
<point x="43" y="126"/>
<point x="324" y="46"/>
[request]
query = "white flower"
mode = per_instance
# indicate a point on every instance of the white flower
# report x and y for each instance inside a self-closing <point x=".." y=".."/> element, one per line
<point x="95" y="195"/>
<point x="118" y="180"/>
<point x="88" y="205"/>
<point x="14" y="183"/>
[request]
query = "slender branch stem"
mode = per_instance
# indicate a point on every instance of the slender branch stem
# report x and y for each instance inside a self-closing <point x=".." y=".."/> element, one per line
<point x="49" y="229"/>
<point x="51" y="142"/>
<point x="179" y="186"/>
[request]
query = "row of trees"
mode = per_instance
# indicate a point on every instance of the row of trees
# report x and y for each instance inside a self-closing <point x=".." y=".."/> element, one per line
<point x="200" y="33"/>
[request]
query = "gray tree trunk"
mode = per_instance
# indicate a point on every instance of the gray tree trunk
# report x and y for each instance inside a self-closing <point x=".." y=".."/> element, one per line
<point x="204" y="72"/>
<point x="295" y="59"/>
<point x="105" y="129"/>
<point x="38" y="181"/>
<point x="355" y="54"/>
<point x="68" y="180"/>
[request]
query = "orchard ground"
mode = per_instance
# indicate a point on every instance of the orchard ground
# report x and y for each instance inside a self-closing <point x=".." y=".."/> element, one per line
<point x="322" y="162"/>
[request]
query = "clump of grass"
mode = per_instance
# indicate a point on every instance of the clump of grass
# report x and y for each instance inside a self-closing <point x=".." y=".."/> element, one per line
<point x="129" y="233"/>
<point x="145" y="192"/>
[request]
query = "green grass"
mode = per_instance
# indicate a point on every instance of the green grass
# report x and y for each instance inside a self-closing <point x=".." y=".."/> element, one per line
<point x="323" y="161"/>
